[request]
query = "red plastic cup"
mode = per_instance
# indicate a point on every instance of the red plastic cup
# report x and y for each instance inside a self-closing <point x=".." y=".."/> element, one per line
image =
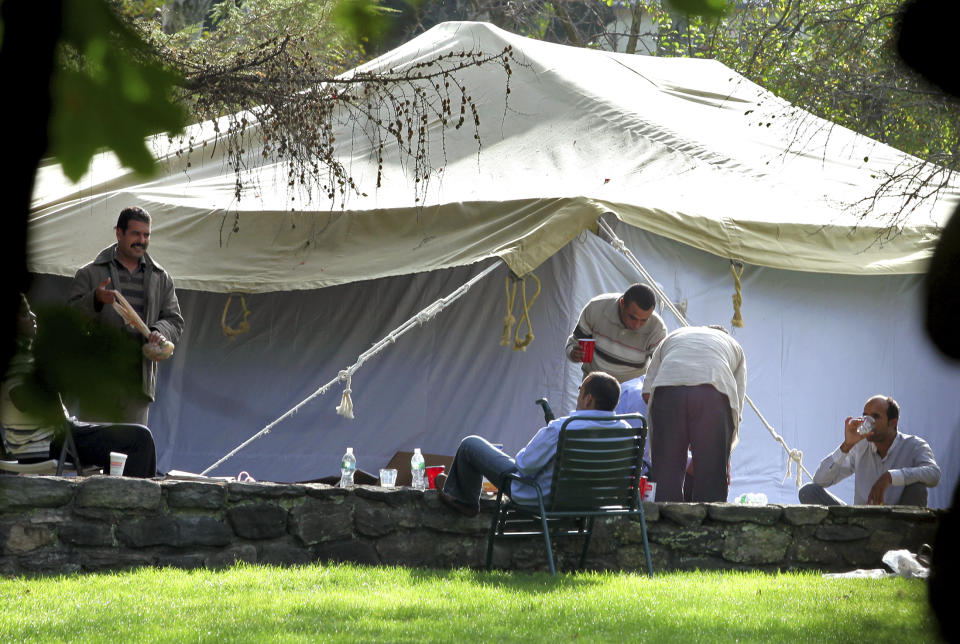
<point x="432" y="472"/>
<point x="647" y="489"/>
<point x="587" y="346"/>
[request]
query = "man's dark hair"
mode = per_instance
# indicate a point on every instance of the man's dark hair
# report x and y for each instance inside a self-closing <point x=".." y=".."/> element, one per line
<point x="604" y="388"/>
<point x="641" y="295"/>
<point x="133" y="212"/>
<point x="893" y="409"/>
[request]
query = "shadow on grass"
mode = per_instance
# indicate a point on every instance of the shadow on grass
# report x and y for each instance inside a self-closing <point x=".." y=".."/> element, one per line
<point x="527" y="581"/>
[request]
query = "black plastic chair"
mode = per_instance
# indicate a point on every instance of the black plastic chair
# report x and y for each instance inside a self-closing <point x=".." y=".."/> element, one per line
<point x="596" y="473"/>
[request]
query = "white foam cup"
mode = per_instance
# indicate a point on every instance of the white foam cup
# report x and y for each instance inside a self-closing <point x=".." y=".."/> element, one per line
<point x="117" y="462"/>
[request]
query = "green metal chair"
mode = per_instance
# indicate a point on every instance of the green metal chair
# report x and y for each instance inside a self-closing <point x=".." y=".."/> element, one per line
<point x="596" y="473"/>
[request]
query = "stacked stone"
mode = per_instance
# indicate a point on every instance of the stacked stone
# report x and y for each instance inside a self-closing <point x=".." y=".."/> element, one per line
<point x="56" y="525"/>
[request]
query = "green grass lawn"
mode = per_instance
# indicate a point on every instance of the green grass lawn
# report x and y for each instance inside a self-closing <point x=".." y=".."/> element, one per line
<point x="355" y="603"/>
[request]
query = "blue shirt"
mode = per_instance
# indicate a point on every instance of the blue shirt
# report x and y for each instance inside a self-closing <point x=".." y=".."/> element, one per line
<point x="536" y="459"/>
<point x="631" y="398"/>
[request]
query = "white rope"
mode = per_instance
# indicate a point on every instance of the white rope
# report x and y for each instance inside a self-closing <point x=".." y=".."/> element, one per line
<point x="346" y="405"/>
<point x="793" y="455"/>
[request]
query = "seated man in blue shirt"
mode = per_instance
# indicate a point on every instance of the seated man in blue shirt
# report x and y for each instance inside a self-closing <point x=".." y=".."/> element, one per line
<point x="476" y="457"/>
<point x="889" y="467"/>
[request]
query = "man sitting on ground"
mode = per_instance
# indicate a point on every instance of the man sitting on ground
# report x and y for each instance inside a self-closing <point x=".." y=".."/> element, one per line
<point x="35" y="422"/>
<point x="889" y="468"/>
<point x="476" y="457"/>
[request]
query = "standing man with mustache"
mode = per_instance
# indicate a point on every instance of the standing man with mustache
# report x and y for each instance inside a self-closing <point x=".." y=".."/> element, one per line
<point x="126" y="267"/>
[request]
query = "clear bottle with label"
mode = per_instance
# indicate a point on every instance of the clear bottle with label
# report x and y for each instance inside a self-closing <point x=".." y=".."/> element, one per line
<point x="418" y="469"/>
<point x="752" y="498"/>
<point x="348" y="465"/>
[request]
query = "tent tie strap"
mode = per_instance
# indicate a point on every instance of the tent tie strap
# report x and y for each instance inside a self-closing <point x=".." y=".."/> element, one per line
<point x="736" y="268"/>
<point x="509" y="320"/>
<point x="244" y="326"/>
<point x="346" y="403"/>
<point x="518" y="344"/>
<point x="793" y="455"/>
<point x="511" y="334"/>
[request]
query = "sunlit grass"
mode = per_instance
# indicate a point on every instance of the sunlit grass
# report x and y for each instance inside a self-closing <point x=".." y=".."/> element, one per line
<point x="345" y="602"/>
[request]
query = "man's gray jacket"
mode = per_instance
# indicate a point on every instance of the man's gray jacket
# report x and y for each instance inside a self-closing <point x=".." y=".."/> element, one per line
<point x="162" y="308"/>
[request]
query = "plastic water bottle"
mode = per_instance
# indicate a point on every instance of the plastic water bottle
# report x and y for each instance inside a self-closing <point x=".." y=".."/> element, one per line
<point x="866" y="426"/>
<point x="418" y="469"/>
<point x="348" y="465"/>
<point x="752" y="498"/>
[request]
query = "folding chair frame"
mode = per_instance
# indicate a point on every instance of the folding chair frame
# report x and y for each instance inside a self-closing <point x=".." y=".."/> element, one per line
<point x="69" y="448"/>
<point x="599" y="469"/>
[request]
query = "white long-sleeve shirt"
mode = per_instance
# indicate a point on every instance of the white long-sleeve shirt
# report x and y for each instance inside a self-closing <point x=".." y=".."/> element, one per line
<point x="909" y="460"/>
<point x="698" y="355"/>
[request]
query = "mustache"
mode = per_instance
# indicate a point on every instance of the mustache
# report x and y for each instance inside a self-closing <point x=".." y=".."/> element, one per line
<point x="138" y="245"/>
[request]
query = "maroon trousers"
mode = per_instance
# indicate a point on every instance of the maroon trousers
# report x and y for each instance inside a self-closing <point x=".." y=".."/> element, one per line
<point x="699" y="418"/>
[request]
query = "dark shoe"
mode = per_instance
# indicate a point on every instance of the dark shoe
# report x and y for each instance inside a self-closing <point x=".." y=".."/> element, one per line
<point x="458" y="506"/>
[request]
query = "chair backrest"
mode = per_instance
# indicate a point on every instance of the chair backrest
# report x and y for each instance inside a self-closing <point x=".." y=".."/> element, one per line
<point x="598" y="467"/>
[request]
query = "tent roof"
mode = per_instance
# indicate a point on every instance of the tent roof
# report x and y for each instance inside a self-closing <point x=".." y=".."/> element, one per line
<point x="685" y="148"/>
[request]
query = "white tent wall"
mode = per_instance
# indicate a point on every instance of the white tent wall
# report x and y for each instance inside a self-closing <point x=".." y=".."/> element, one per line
<point x="817" y="346"/>
<point x="441" y="381"/>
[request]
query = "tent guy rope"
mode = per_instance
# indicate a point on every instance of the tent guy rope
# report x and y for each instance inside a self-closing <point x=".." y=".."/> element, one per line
<point x="346" y="405"/>
<point x="793" y="455"/>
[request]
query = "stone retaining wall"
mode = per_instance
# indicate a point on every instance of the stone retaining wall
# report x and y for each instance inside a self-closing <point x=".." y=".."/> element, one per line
<point x="50" y="524"/>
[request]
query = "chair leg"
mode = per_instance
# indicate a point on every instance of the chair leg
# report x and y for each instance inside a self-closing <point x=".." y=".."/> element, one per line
<point x="586" y="543"/>
<point x="546" y="538"/>
<point x="490" y="539"/>
<point x="69" y="447"/>
<point x="646" y="543"/>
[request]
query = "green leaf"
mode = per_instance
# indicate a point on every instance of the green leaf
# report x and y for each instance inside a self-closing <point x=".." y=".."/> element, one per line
<point x="700" y="7"/>
<point x="116" y="100"/>
<point x="364" y="20"/>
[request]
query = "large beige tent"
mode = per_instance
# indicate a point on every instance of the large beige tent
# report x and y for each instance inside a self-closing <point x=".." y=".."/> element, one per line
<point x="696" y="165"/>
<point x="684" y="148"/>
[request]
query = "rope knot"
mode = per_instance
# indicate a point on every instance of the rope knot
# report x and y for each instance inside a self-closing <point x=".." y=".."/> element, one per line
<point x="794" y="456"/>
<point x="345" y="408"/>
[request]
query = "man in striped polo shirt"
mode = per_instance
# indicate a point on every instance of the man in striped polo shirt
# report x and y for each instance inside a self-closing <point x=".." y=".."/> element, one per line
<point x="626" y="330"/>
<point x="126" y="266"/>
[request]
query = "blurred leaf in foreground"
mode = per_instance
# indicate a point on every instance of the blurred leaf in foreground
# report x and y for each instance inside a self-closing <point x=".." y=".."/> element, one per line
<point x="115" y="98"/>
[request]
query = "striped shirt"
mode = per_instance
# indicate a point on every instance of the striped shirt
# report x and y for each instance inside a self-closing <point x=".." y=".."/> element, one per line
<point x="131" y="285"/>
<point x="619" y="351"/>
<point x="25" y="436"/>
